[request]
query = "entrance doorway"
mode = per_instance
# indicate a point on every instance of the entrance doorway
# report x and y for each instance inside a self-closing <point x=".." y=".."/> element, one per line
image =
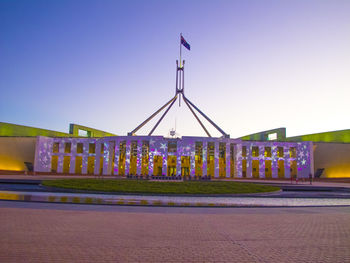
<point x="157" y="165"/>
<point x="171" y="165"/>
<point x="185" y="165"/>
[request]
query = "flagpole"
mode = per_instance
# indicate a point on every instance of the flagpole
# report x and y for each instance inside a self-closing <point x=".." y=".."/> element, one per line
<point x="180" y="50"/>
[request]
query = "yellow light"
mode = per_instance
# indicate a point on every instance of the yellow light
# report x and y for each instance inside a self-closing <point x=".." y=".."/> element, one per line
<point x="11" y="167"/>
<point x="338" y="171"/>
<point x="11" y="164"/>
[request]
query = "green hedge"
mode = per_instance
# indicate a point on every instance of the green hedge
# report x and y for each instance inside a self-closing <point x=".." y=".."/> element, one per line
<point x="152" y="187"/>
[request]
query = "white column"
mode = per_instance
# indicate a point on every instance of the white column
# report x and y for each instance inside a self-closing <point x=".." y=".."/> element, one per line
<point x="261" y="161"/>
<point x="116" y="157"/>
<point x="238" y="160"/>
<point x="139" y="157"/>
<point x="192" y="159"/>
<point x="178" y="157"/>
<point x="97" y="157"/>
<point x="72" y="163"/>
<point x="127" y="157"/>
<point x="73" y="153"/>
<point x="286" y="162"/>
<point x="105" y="158"/>
<point x="164" y="154"/>
<point x="216" y="159"/>
<point x="274" y="162"/>
<point x="249" y="161"/>
<point x="108" y="157"/>
<point x="205" y="149"/>
<point x="301" y="150"/>
<point x="85" y="156"/>
<point x="60" y="164"/>
<point x="60" y="156"/>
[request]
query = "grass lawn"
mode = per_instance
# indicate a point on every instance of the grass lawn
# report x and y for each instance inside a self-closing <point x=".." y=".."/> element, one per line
<point x="151" y="187"/>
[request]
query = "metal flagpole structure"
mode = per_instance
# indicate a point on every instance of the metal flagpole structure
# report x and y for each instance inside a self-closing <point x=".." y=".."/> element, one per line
<point x="206" y="131"/>
<point x="180" y="47"/>
<point x="225" y="135"/>
<point x="161" y="118"/>
<point x="179" y="92"/>
<point x="132" y="133"/>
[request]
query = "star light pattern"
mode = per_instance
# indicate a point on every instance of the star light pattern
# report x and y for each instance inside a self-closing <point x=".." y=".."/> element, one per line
<point x="185" y="147"/>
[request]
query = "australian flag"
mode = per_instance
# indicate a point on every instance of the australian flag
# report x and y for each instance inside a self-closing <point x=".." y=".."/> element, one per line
<point x="185" y="44"/>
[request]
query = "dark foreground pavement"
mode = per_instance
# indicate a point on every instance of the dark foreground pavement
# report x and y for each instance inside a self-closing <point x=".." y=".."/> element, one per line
<point x="41" y="232"/>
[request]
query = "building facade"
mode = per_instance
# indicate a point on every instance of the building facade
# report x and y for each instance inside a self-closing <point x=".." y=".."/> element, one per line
<point x="188" y="156"/>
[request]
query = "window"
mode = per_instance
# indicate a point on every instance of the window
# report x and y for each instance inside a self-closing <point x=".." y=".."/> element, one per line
<point x="267" y="151"/>
<point x="222" y="150"/>
<point x="232" y="163"/>
<point x="198" y="152"/>
<point x="54" y="162"/>
<point x="255" y="151"/>
<point x="92" y="147"/>
<point x="244" y="168"/>
<point x="55" y="147"/>
<point x="211" y="149"/>
<point x="280" y="168"/>
<point x="280" y="152"/>
<point x="122" y="152"/>
<point x="78" y="164"/>
<point x="172" y="146"/>
<point x="272" y="137"/>
<point x="133" y="149"/>
<point x="101" y="165"/>
<point x="268" y="171"/>
<point x="293" y="168"/>
<point x="66" y="164"/>
<point x="67" y="147"/>
<point x="145" y="148"/>
<point x="292" y="152"/>
<point x="244" y="151"/>
<point x="255" y="166"/>
<point x="82" y="133"/>
<point x="79" y="147"/>
<point x="91" y="164"/>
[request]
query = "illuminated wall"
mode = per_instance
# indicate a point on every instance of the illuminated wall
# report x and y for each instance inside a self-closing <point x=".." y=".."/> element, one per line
<point x="280" y="135"/>
<point x="270" y="154"/>
<point x="342" y="136"/>
<point x="9" y="129"/>
<point x="334" y="158"/>
<point x="124" y="154"/>
<point x="192" y="155"/>
<point x="14" y="151"/>
<point x="74" y="130"/>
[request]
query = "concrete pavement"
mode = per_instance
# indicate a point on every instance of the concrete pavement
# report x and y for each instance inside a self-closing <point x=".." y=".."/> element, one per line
<point x="38" y="232"/>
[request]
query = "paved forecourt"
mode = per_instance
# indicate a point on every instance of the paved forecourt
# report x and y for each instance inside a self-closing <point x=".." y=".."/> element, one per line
<point x="262" y="199"/>
<point x="39" y="232"/>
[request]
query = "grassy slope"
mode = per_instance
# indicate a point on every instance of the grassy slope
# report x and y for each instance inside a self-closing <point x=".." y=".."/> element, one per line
<point x="132" y="186"/>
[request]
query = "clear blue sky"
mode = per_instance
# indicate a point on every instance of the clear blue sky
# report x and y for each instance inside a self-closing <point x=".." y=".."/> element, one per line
<point x="253" y="65"/>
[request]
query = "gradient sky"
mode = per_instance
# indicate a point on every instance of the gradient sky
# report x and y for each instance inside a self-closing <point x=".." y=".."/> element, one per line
<point x="253" y="65"/>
